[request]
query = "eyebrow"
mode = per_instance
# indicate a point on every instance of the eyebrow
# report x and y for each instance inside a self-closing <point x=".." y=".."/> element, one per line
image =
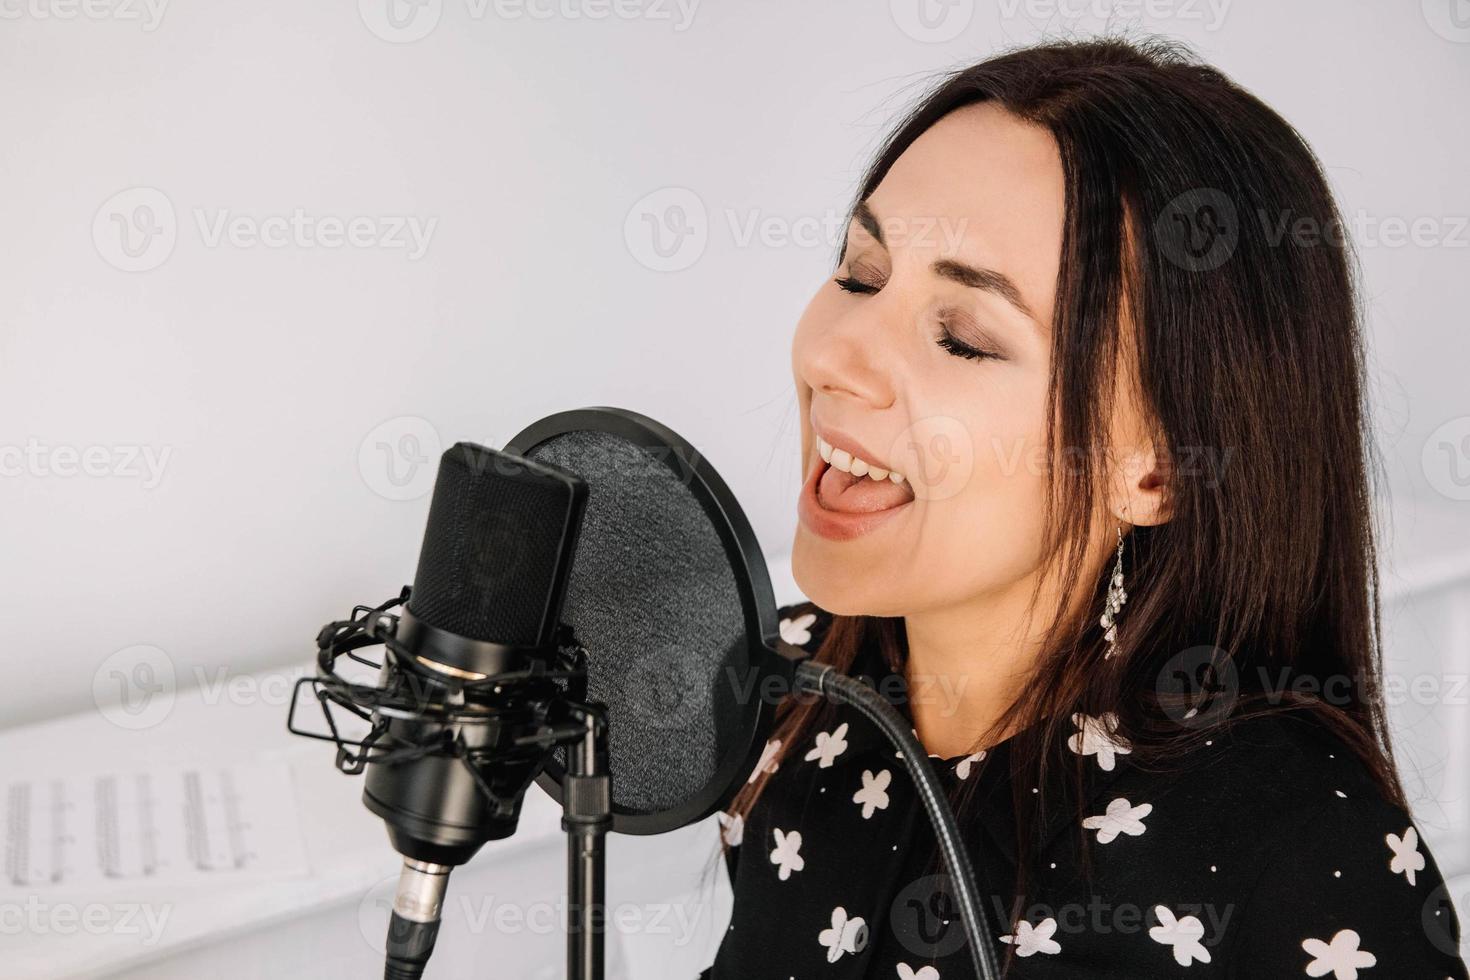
<point x="989" y="280"/>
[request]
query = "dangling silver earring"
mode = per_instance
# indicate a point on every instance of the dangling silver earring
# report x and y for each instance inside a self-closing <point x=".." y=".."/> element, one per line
<point x="1115" y="598"/>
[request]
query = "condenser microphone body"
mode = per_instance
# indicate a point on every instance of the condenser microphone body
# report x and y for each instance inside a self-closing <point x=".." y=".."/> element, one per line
<point x="499" y="543"/>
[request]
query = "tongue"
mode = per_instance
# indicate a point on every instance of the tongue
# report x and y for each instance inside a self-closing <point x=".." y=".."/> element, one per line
<point x="860" y="494"/>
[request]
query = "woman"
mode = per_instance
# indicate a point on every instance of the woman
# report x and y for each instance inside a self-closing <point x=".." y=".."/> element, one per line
<point x="1086" y="496"/>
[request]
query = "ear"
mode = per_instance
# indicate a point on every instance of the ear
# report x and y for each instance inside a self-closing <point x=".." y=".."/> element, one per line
<point x="1138" y="485"/>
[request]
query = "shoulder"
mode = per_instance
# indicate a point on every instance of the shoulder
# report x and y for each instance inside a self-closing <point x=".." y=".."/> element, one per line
<point x="1248" y="787"/>
<point x="1280" y="829"/>
<point x="1267" y="764"/>
<point x="1268" y="783"/>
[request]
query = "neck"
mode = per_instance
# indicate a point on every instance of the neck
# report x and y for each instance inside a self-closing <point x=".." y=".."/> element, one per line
<point x="967" y="664"/>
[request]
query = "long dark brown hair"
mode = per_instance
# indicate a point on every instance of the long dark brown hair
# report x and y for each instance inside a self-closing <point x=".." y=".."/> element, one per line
<point x="1187" y="199"/>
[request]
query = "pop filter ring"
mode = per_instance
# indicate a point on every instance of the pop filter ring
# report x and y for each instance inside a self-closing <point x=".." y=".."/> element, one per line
<point x="748" y="568"/>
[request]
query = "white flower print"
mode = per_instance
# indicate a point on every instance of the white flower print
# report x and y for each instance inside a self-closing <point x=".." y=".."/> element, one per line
<point x="1183" y="934"/>
<point x="829" y="746"/>
<point x="962" y="768"/>
<point x="1406" y="857"/>
<point x="845" y="936"/>
<point x="798" y="631"/>
<point x="874" y="794"/>
<point x="1121" y="818"/>
<point x="1341" y="957"/>
<point x="768" y="761"/>
<point x="1029" y="939"/>
<point x="787" y="855"/>
<point x="906" y="972"/>
<point x="1097" y="736"/>
<point x="732" y="828"/>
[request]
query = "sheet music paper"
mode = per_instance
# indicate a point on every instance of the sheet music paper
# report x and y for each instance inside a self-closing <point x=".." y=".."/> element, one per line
<point x="174" y="825"/>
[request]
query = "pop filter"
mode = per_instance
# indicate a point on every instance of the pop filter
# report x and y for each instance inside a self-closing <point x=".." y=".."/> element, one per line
<point x="670" y="596"/>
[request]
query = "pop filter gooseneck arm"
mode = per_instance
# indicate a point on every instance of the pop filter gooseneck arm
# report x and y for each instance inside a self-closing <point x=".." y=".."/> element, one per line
<point x="823" y="679"/>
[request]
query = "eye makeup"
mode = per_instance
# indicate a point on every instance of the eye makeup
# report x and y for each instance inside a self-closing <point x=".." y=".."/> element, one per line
<point x="954" y="322"/>
<point x="864" y="280"/>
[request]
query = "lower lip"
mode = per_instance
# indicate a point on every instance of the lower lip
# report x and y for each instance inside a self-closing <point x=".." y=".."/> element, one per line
<point x="835" y="525"/>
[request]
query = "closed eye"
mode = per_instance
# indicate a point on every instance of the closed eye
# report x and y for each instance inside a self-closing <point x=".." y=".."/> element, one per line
<point x="850" y="284"/>
<point x="959" y="348"/>
<point x="946" y="340"/>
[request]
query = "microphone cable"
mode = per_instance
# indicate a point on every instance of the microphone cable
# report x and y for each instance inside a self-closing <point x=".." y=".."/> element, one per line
<point x="823" y="679"/>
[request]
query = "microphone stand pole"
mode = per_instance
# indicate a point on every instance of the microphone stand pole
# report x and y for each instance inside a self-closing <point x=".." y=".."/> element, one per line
<point x="586" y="818"/>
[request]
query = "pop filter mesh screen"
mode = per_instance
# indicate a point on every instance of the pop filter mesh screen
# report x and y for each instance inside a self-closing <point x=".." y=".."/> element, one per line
<point x="654" y="600"/>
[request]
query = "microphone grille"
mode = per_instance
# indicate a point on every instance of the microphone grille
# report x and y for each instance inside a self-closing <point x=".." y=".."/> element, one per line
<point x="497" y="546"/>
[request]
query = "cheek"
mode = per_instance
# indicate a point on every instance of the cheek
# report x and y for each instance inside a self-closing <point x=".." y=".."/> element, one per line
<point x="983" y="526"/>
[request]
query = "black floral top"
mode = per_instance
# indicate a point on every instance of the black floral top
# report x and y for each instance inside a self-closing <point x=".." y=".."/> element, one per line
<point x="1272" y="857"/>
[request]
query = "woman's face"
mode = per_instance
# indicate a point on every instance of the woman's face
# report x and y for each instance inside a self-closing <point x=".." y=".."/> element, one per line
<point x="929" y="355"/>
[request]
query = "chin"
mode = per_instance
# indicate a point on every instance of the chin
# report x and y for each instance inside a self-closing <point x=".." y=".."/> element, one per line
<point x="836" y="580"/>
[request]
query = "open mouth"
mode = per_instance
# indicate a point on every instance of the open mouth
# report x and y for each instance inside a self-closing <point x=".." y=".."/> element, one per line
<point x="842" y="492"/>
<point x="845" y="496"/>
<point x="849" y="484"/>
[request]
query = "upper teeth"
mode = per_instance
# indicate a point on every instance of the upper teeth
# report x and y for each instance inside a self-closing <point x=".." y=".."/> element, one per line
<point x="848" y="463"/>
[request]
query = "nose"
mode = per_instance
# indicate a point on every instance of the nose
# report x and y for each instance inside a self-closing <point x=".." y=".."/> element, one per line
<point x="847" y="360"/>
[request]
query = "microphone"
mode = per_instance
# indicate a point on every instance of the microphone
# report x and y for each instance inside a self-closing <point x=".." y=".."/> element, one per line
<point x="471" y="698"/>
<point x="499" y="542"/>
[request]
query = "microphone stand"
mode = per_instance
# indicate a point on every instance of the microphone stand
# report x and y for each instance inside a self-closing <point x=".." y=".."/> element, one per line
<point x="586" y="818"/>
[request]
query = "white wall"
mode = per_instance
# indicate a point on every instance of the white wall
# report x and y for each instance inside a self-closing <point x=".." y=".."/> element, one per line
<point x="269" y="375"/>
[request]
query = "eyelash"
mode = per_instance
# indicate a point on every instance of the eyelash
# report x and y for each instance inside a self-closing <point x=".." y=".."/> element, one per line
<point x="959" y="348"/>
<point x="850" y="285"/>
<point x="947" y="341"/>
